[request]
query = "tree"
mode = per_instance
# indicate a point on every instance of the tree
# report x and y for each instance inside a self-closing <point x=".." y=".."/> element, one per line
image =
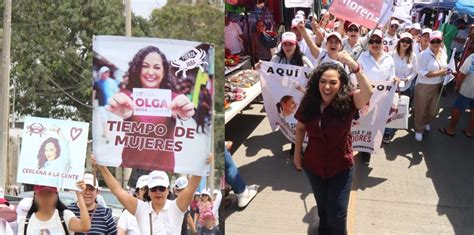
<point x="204" y="23"/>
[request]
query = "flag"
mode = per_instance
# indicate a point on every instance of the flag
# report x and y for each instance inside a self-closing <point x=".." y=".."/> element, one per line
<point x="366" y="13"/>
<point x="452" y="67"/>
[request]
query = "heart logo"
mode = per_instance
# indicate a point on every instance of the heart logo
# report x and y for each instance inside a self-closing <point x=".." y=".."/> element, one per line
<point x="75" y="133"/>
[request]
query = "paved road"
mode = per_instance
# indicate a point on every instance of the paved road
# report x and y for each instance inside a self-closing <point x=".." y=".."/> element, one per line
<point x="409" y="187"/>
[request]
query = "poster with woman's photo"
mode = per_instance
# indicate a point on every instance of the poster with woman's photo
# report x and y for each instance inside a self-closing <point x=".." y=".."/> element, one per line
<point x="51" y="151"/>
<point x="283" y="87"/>
<point x="152" y="102"/>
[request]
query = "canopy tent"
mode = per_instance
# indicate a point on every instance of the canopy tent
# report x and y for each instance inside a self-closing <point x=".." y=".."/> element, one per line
<point x="465" y="7"/>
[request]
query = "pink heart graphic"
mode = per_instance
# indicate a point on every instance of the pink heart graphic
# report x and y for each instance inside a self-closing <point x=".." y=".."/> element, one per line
<point x="75" y="133"/>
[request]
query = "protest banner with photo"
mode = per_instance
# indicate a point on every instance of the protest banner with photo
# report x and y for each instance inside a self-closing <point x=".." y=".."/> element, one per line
<point x="366" y="13"/>
<point x="283" y="87"/>
<point x="152" y="103"/>
<point x="368" y="128"/>
<point x="53" y="152"/>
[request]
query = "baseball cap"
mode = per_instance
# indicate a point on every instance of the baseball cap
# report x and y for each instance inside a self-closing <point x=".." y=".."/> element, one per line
<point x="377" y="32"/>
<point x="158" y="178"/>
<point x="208" y="215"/>
<point x="38" y="188"/>
<point x="406" y="35"/>
<point x="408" y="25"/>
<point x="23" y="207"/>
<point x="288" y="37"/>
<point x="323" y="11"/>
<point x="142" y="181"/>
<point x="353" y="24"/>
<point x="436" y="35"/>
<point x="205" y="192"/>
<point x="104" y="69"/>
<point x="295" y="22"/>
<point x="417" y="26"/>
<point x="197" y="193"/>
<point x="394" y="22"/>
<point x="89" y="179"/>
<point x="336" y="34"/>
<point x="300" y="12"/>
<point x="299" y="17"/>
<point x="426" y="30"/>
<point x="181" y="183"/>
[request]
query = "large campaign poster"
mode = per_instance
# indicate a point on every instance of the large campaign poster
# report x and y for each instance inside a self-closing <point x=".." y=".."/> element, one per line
<point x="368" y="13"/>
<point x="369" y="125"/>
<point x="152" y="103"/>
<point x="53" y="152"/>
<point x="283" y="87"/>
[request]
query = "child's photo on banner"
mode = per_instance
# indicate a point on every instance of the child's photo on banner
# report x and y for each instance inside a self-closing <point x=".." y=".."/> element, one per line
<point x="152" y="103"/>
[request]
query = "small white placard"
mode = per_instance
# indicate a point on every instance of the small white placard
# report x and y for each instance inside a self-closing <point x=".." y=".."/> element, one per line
<point x="152" y="102"/>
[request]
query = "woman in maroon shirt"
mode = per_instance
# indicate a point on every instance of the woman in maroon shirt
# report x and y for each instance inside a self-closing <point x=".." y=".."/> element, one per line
<point x="325" y="114"/>
<point x="149" y="68"/>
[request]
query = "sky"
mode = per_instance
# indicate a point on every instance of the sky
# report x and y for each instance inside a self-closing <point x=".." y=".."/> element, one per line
<point x="145" y="7"/>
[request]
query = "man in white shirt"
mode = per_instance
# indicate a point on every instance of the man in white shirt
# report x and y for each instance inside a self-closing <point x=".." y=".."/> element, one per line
<point x="301" y="42"/>
<point x="460" y="39"/>
<point x="352" y="43"/>
<point x="233" y="37"/>
<point x="390" y="38"/>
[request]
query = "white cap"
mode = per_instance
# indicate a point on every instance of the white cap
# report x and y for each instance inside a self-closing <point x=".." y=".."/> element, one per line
<point x="417" y="26"/>
<point x="299" y="18"/>
<point x="2" y="193"/>
<point x="406" y="35"/>
<point x="323" y="11"/>
<point x="295" y="22"/>
<point x="288" y="37"/>
<point x="104" y="69"/>
<point x="436" y="35"/>
<point x="334" y="34"/>
<point x="197" y="193"/>
<point x="394" y="22"/>
<point x="300" y="12"/>
<point x="142" y="181"/>
<point x="407" y="25"/>
<point x="23" y="207"/>
<point x="336" y="24"/>
<point x="158" y="178"/>
<point x="377" y="32"/>
<point x="181" y="183"/>
<point x="89" y="179"/>
<point x="205" y="192"/>
<point x="353" y="24"/>
<point x="426" y="30"/>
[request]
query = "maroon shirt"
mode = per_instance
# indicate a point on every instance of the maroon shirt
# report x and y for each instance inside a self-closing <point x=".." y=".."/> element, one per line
<point x="150" y="159"/>
<point x="329" y="149"/>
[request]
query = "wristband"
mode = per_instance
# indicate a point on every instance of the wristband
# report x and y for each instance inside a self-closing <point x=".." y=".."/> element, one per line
<point x="357" y="69"/>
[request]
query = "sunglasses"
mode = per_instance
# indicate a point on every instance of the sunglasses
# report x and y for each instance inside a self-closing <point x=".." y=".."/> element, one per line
<point x="394" y="26"/>
<point x="352" y="30"/>
<point x="436" y="41"/>
<point x="158" y="188"/>
<point x="375" y="41"/>
<point x="288" y="44"/>
<point x="408" y="41"/>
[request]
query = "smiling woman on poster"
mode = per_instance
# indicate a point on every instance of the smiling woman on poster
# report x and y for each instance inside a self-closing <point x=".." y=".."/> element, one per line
<point x="149" y="68"/>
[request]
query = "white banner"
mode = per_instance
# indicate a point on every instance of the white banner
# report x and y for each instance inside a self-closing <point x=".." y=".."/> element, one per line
<point x="53" y="152"/>
<point x="283" y="87"/>
<point x="298" y="3"/>
<point x="368" y="129"/>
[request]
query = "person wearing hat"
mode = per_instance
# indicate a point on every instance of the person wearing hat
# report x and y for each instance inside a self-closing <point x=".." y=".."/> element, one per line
<point x="180" y="184"/>
<point x="290" y="52"/>
<point x="300" y="41"/>
<point x="102" y="221"/>
<point x="160" y="215"/>
<point x="48" y="213"/>
<point x="406" y="69"/>
<point x="423" y="43"/>
<point x="104" y="88"/>
<point x="407" y="26"/>
<point x="377" y="65"/>
<point x="390" y="38"/>
<point x="127" y="223"/>
<point x="432" y="68"/>
<point x="209" y="227"/>
<point x="352" y="43"/>
<point x="261" y="52"/>
<point x="204" y="205"/>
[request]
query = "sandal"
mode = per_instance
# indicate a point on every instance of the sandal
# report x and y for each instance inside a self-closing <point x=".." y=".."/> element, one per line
<point x="467" y="134"/>
<point x="444" y="131"/>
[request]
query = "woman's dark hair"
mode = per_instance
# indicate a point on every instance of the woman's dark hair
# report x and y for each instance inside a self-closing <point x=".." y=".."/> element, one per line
<point x="135" y="69"/>
<point x="312" y="99"/>
<point x="283" y="99"/>
<point x="407" y="52"/>
<point x="146" y="197"/>
<point x="297" y="58"/>
<point x="42" y="157"/>
<point x="34" y="207"/>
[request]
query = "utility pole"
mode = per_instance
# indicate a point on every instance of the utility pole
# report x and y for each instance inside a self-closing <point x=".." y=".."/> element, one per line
<point x="4" y="92"/>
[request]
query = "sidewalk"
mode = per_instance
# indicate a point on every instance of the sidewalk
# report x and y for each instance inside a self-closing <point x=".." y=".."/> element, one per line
<point x="409" y="187"/>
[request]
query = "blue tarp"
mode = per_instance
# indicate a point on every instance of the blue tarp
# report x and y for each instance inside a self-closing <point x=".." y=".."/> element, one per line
<point x="465" y="7"/>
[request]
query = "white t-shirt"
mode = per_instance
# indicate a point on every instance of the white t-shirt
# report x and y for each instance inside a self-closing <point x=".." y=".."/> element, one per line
<point x="353" y="51"/>
<point x="417" y="49"/>
<point x="427" y="63"/>
<point x="467" y="86"/>
<point x="231" y="38"/>
<point x="405" y="71"/>
<point x="53" y="225"/>
<point x="168" y="221"/>
<point x="307" y="51"/>
<point x="389" y="42"/>
<point x="384" y="70"/>
<point x="128" y="223"/>
<point x="460" y="46"/>
<point x="5" y="227"/>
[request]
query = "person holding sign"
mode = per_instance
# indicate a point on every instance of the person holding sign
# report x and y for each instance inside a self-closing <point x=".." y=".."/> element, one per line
<point x="433" y="66"/>
<point x="48" y="214"/>
<point x="325" y="115"/>
<point x="158" y="216"/>
<point x="149" y="68"/>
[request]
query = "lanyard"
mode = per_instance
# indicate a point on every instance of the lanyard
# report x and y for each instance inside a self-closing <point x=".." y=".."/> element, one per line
<point x="151" y="225"/>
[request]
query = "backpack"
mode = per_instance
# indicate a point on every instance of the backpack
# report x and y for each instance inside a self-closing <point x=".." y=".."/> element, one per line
<point x="61" y="217"/>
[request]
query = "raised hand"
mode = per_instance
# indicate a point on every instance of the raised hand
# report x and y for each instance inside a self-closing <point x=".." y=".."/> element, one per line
<point x="182" y="107"/>
<point x="121" y="105"/>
